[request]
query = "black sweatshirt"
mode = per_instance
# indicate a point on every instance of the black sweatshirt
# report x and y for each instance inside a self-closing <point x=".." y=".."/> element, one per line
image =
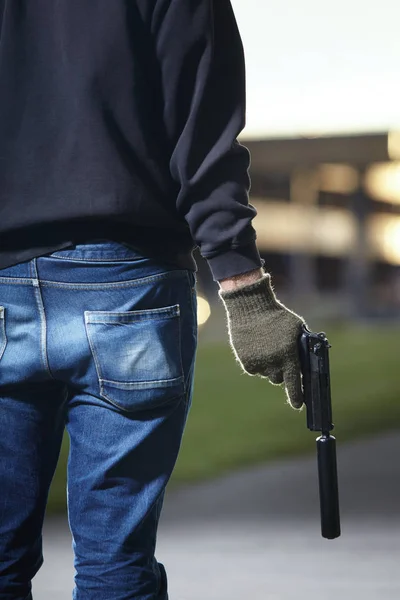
<point x="119" y="120"/>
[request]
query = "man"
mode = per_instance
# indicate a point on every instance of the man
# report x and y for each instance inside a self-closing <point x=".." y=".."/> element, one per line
<point x="118" y="155"/>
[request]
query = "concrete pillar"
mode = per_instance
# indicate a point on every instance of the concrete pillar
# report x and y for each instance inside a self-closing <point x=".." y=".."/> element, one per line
<point x="357" y="276"/>
<point x="303" y="191"/>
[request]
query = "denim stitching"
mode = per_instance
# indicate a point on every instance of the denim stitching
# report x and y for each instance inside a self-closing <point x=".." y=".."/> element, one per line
<point x="97" y="365"/>
<point x="152" y="314"/>
<point x="2" y="331"/>
<point x="134" y="408"/>
<point x="89" y="286"/>
<point x="154" y="383"/>
<point x="191" y="294"/>
<point x="92" y="259"/>
<point x="43" y="324"/>
<point x="189" y="297"/>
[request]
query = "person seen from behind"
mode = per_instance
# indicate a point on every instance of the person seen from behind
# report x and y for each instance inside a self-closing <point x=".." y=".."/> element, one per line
<point x="118" y="157"/>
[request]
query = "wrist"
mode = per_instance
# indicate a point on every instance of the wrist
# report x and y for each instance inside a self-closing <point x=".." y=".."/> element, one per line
<point x="238" y="281"/>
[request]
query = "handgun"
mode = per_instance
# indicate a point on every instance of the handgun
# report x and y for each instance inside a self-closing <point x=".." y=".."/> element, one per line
<point x="314" y="358"/>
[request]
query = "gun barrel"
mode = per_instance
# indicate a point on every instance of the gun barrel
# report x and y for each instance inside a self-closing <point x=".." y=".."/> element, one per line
<point x="328" y="486"/>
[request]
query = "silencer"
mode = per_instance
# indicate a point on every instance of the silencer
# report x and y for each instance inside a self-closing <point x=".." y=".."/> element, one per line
<point x="328" y="486"/>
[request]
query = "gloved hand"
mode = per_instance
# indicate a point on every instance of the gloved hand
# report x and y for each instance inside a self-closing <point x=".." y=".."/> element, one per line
<point x="264" y="336"/>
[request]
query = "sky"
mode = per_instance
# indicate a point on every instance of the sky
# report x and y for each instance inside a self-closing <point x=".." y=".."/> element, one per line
<point x="320" y="68"/>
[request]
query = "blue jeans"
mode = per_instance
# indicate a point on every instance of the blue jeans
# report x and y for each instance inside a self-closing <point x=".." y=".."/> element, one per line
<point x="102" y="341"/>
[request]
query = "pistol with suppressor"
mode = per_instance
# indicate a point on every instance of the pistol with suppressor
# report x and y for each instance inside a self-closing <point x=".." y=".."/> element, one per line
<point x="314" y="357"/>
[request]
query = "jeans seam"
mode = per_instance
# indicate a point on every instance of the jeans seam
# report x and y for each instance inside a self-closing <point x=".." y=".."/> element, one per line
<point x="43" y="323"/>
<point x="134" y="409"/>
<point x="143" y="385"/>
<point x="3" y="333"/>
<point x="96" y="363"/>
<point x="95" y="260"/>
<point x="191" y="292"/>
<point x="180" y="356"/>
<point x="88" y="286"/>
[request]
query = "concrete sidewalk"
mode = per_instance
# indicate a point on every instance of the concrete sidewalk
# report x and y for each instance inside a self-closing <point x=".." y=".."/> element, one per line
<point x="256" y="534"/>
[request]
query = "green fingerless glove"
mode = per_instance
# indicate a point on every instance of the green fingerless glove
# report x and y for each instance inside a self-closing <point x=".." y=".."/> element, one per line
<point x="264" y="336"/>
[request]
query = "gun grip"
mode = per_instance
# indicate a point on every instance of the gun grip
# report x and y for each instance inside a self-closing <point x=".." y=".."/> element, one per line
<point x="328" y="487"/>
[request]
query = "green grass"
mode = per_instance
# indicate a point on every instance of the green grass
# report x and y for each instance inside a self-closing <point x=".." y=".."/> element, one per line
<point x="237" y="420"/>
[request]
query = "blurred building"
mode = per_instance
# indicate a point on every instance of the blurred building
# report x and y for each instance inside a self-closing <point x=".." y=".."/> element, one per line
<point x="328" y="222"/>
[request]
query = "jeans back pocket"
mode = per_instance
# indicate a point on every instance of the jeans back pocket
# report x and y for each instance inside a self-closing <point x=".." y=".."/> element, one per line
<point x="137" y="356"/>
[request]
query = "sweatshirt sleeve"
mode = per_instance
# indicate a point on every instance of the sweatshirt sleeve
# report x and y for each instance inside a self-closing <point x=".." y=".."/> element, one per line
<point x="201" y="58"/>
